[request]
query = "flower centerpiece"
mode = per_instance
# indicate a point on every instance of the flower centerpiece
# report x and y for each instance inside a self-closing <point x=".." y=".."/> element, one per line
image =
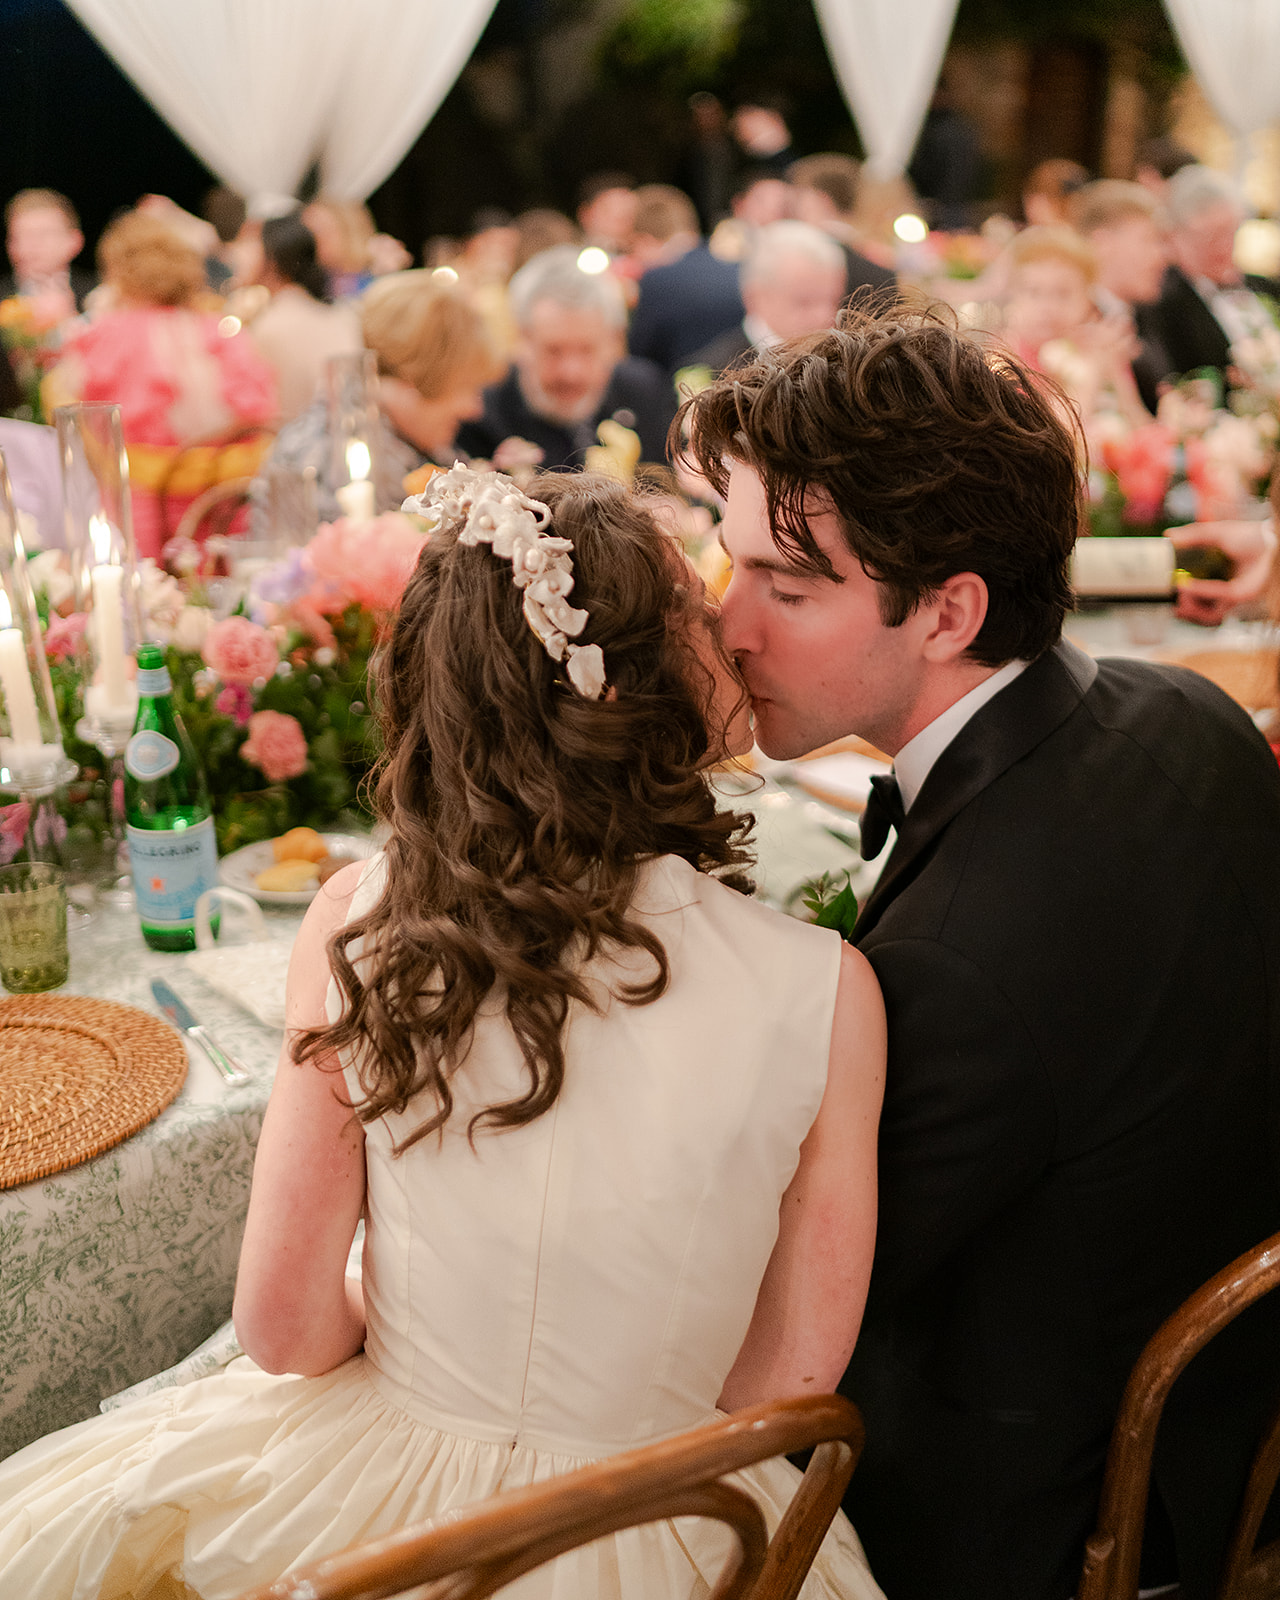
<point x="1197" y="461"/>
<point x="276" y="695"/>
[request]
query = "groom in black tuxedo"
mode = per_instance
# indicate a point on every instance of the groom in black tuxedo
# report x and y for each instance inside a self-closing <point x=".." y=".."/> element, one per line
<point x="1078" y="937"/>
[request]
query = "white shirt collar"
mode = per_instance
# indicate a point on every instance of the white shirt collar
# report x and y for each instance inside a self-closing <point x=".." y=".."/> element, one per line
<point x="759" y="332"/>
<point x="916" y="758"/>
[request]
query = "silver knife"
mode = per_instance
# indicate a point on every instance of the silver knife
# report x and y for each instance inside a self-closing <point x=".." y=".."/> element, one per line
<point x="179" y="1014"/>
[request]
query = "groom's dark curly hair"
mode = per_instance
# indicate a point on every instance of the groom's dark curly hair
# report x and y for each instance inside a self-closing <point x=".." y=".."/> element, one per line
<point x="939" y="454"/>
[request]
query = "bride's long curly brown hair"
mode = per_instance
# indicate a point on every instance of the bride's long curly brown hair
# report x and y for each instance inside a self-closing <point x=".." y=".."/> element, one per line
<point x="520" y="813"/>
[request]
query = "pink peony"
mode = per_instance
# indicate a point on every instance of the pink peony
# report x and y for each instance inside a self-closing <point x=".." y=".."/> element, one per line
<point x="62" y="636"/>
<point x="239" y="651"/>
<point x="276" y="745"/>
<point x="235" y="701"/>
<point x="365" y="562"/>
<point x="14" y="821"/>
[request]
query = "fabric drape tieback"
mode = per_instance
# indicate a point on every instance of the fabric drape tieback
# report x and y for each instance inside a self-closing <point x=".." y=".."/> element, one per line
<point x="884" y="810"/>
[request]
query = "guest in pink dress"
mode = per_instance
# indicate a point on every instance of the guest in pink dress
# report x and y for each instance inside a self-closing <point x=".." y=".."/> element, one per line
<point x="188" y="384"/>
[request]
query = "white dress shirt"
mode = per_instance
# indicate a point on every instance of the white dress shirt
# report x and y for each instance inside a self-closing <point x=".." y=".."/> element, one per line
<point x="916" y="758"/>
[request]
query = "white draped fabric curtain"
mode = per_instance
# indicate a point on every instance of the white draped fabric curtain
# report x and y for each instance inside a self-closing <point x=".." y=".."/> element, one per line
<point x="262" y="89"/>
<point x="1233" y="47"/>
<point x="887" y="54"/>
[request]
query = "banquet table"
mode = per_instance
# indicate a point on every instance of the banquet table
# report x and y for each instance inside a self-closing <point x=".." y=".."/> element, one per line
<point x="116" y="1268"/>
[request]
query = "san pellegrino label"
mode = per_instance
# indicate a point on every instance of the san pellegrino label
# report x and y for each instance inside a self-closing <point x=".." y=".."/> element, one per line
<point x="172" y="868"/>
<point x="150" y="754"/>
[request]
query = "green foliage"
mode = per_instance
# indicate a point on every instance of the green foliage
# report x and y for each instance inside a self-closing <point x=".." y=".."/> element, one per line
<point x="831" y="902"/>
<point x="679" y="42"/>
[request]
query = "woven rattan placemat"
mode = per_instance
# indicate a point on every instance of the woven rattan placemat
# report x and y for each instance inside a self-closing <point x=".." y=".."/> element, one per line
<point x="76" y="1077"/>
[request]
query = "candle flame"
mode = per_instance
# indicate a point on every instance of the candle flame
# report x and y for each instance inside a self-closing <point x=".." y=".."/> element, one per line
<point x="358" y="460"/>
<point x="100" y="535"/>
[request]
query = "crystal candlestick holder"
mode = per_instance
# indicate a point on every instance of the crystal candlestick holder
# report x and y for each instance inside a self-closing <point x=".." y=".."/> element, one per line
<point x="104" y="569"/>
<point x="351" y="388"/>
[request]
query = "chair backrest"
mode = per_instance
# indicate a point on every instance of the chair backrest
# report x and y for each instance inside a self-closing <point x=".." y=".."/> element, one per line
<point x="1113" y="1552"/>
<point x="477" y="1552"/>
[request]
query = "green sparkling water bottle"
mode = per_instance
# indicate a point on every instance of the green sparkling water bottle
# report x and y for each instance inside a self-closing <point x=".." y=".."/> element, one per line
<point x="172" y="849"/>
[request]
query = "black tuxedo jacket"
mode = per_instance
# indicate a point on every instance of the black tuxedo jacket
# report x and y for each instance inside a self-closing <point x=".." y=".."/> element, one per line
<point x="1183" y="329"/>
<point x="1078" y="938"/>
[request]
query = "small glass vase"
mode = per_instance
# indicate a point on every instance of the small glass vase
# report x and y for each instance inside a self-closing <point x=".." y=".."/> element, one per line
<point x="104" y="571"/>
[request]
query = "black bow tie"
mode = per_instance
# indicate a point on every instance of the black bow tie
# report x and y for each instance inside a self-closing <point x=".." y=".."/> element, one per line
<point x="884" y="810"/>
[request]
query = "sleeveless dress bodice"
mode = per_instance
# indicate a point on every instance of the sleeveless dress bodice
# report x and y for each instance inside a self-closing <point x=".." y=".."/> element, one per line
<point x="626" y="1231"/>
<point x="537" y="1297"/>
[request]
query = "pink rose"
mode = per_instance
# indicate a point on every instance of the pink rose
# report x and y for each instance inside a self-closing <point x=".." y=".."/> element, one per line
<point x="239" y="651"/>
<point x="276" y="745"/>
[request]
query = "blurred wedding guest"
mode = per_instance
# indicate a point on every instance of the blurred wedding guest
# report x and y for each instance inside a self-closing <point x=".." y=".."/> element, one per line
<point x="825" y="189"/>
<point x="1052" y="323"/>
<point x="946" y="167"/>
<point x="1156" y="162"/>
<point x="435" y="354"/>
<point x="43" y="239"/>
<point x="607" y="211"/>
<point x="297" y="332"/>
<point x="705" y="170"/>
<point x="571" y="370"/>
<point x="351" y="250"/>
<point x="184" y="384"/>
<point x="763" y="136"/>
<point x="792" y="281"/>
<point x="1124" y="227"/>
<point x="1048" y="190"/>
<point x="543" y="228"/>
<point x="687" y="295"/>
<point x="1209" y="313"/>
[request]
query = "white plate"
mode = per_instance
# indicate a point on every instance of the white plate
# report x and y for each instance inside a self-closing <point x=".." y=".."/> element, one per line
<point x="239" y="869"/>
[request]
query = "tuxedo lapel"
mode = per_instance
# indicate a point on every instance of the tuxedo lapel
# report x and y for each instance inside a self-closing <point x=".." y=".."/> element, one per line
<point x="1001" y="733"/>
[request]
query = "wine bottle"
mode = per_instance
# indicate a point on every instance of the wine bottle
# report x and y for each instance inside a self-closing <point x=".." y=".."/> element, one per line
<point x="1139" y="567"/>
<point x="172" y="848"/>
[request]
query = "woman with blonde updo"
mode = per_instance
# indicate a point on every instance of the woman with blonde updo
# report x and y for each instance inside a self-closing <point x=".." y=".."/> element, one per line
<point x="180" y="377"/>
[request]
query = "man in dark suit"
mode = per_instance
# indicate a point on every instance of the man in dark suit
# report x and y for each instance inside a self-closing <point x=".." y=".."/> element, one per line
<point x="571" y="371"/>
<point x="1209" y="313"/>
<point x="1078" y="938"/>
<point x="792" y="282"/>
<point x="686" y="295"/>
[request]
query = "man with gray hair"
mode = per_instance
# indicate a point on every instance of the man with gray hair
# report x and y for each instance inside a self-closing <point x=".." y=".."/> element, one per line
<point x="1209" y="313"/>
<point x="570" y="370"/>
<point x="792" y="282"/>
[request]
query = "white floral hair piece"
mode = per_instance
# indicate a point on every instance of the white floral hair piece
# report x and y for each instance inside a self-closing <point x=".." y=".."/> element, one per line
<point x="488" y="508"/>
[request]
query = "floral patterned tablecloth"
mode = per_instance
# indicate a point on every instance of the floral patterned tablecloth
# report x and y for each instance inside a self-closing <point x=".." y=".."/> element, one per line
<point x="119" y="1267"/>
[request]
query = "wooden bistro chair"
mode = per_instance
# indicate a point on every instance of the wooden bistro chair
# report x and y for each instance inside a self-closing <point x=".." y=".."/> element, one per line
<point x="1112" y="1553"/>
<point x="476" y="1552"/>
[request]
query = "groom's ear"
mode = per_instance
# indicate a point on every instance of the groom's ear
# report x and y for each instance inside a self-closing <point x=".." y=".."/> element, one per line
<point x="957" y="612"/>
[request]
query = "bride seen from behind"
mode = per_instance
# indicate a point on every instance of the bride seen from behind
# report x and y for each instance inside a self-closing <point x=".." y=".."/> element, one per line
<point x="611" y="1123"/>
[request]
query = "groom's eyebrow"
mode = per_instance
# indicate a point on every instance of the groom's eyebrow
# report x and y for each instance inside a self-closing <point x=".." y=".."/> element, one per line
<point x="764" y="563"/>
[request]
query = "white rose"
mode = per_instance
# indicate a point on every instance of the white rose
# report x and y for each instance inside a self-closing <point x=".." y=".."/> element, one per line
<point x="190" y="628"/>
<point x="49" y="575"/>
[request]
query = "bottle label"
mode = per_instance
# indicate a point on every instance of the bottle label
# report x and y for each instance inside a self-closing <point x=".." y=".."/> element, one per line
<point x="154" y="680"/>
<point x="172" y="868"/>
<point x="150" y="755"/>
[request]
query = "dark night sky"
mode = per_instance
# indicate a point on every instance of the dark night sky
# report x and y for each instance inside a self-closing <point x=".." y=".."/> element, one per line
<point x="73" y="122"/>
